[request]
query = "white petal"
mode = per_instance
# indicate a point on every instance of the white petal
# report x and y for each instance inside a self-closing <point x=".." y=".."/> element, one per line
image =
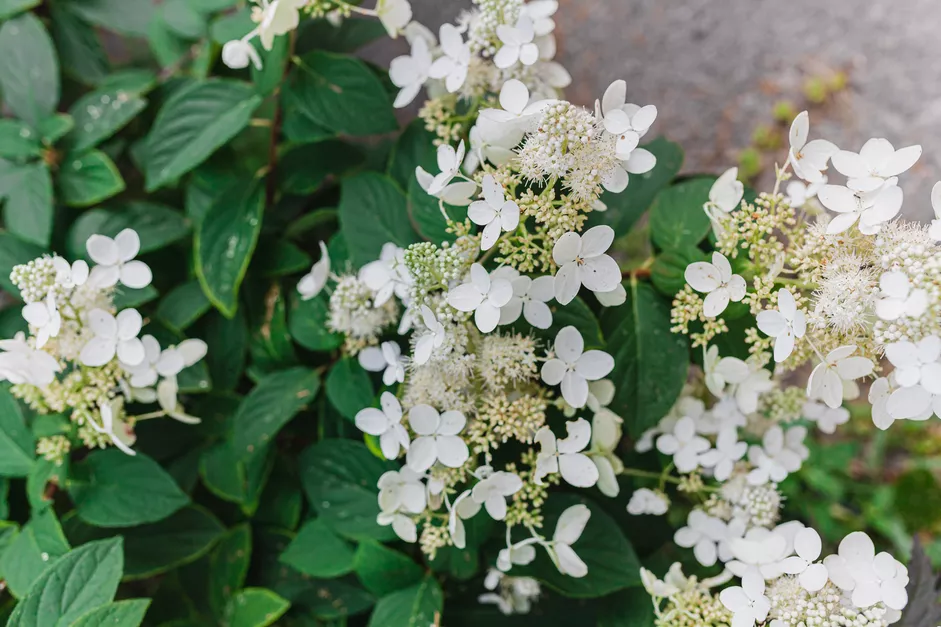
<point x="131" y="352"/>
<point x="487" y="317"/>
<point x="569" y="344"/>
<point x="514" y="96"/>
<point x="567" y="282"/>
<point x="567" y="248"/>
<point x="537" y="314"/>
<point x="600" y="274"/>
<point x="574" y="389"/>
<point x="800" y="128"/>
<point x="136" y="274"/>
<point x="102" y="250"/>
<point x="465" y="297"/>
<point x="900" y="161"/>
<point x="553" y="371"/>
<point x="129" y="323"/>
<point x="715" y="302"/>
<point x="98" y="352"/>
<point x="703" y="276"/>
<point x="372" y="421"/>
<point x="422" y="454"/>
<point x="571" y="524"/>
<point x="452" y="451"/>
<point x="424" y="419"/>
<point x="594" y="365"/>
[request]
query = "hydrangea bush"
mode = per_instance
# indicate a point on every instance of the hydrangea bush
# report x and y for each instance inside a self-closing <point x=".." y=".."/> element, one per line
<point x="274" y="360"/>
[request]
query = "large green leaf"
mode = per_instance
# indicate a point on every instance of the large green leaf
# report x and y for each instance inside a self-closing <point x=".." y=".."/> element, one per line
<point x="9" y="8"/>
<point x="28" y="210"/>
<point x="303" y="169"/>
<point x="307" y="321"/>
<point x="37" y="547"/>
<point x="677" y="220"/>
<point x="29" y="71"/>
<point x="17" y="444"/>
<point x="373" y="212"/>
<point x="651" y="362"/>
<point x="129" y="613"/>
<point x="232" y="478"/>
<point x="157" y="225"/>
<point x="129" y="17"/>
<point x="120" y="490"/>
<point x="18" y="140"/>
<point x="82" y="580"/>
<point x="612" y="563"/>
<point x="227" y="339"/>
<point x="183" y="306"/>
<point x="348" y="387"/>
<point x="270" y="406"/>
<point x="100" y="114"/>
<point x="341" y="93"/>
<point x="254" y="607"/>
<point x="317" y="551"/>
<point x="414" y="147"/>
<point x="339" y="477"/>
<point x="192" y="124"/>
<point x="383" y="570"/>
<point x="83" y="57"/>
<point x="415" y="606"/>
<point x="228" y="565"/>
<point x="89" y="178"/>
<point x="225" y="241"/>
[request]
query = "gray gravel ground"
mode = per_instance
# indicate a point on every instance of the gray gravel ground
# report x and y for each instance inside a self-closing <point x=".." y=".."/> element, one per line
<point x="715" y="67"/>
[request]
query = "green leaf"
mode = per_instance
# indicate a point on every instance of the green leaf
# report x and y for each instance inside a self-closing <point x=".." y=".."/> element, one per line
<point x="153" y="549"/>
<point x="127" y="297"/>
<point x="601" y="539"/>
<point x="271" y="405"/>
<point x="122" y="491"/>
<point x="193" y="123"/>
<point x="28" y="211"/>
<point x="668" y="272"/>
<point x="415" y="606"/>
<point x="342" y="94"/>
<point x="13" y="252"/>
<point x="277" y="258"/>
<point x="88" y="179"/>
<point x="29" y="71"/>
<point x="82" y="580"/>
<point x="677" y="221"/>
<point x="183" y="306"/>
<point x="352" y="33"/>
<point x="128" y="17"/>
<point x="273" y="62"/>
<point x="303" y="169"/>
<point x="372" y="212"/>
<point x="348" y="387"/>
<point x="43" y="473"/>
<point x="254" y="607"/>
<point x="55" y="127"/>
<point x="414" y="147"/>
<point x="650" y="361"/>
<point x="233" y="479"/>
<point x="9" y="8"/>
<point x="307" y="321"/>
<point x="129" y="613"/>
<point x="17" y="445"/>
<point x="38" y="546"/>
<point x="225" y="241"/>
<point x="227" y="339"/>
<point x="157" y="225"/>
<point x="228" y="565"/>
<point x="18" y="140"/>
<point x="83" y="57"/>
<point x="625" y="208"/>
<point x="100" y="114"/>
<point x="339" y="477"/>
<point x="317" y="551"/>
<point x="383" y="570"/>
<point x="183" y="19"/>
<point x="626" y="608"/>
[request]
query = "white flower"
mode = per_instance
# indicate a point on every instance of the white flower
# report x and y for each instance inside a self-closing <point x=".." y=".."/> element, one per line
<point x="722" y="372"/>
<point x="918" y="373"/>
<point x="626" y="121"/>
<point x="393" y="14"/>
<point x="784" y="324"/>
<point x="647" y="501"/>
<point x="144" y="374"/>
<point x="780" y="453"/>
<point x="722" y="458"/>
<point x="44" y="317"/>
<point x="582" y="261"/>
<point x="401" y="490"/>
<point x="529" y="299"/>
<point x="277" y="17"/>
<point x="464" y="507"/>
<point x="877" y="161"/>
<point x="115" y="259"/>
<point x="761" y="548"/>
<point x="573" y="367"/>
<point x="403" y="526"/>
<point x="386" y="359"/>
<point x="387" y="424"/>
<point x="505" y="127"/>
<point x="437" y="439"/>
<point x="565" y="457"/>
<point x="69" y="276"/>
<point x="871" y="209"/>
<point x="495" y="213"/>
<point x="807" y="545"/>
<point x="827" y="418"/>
<point x="879" y="393"/>
<point x="518" y="44"/>
<point x="898" y="298"/>
<point x="387" y="275"/>
<point x="481" y="150"/>
<point x="314" y="281"/>
<point x="717" y="282"/>
<point x="726" y="193"/>
<point x="809" y="159"/>
<point x="683" y="444"/>
<point x="568" y="530"/>
<point x="799" y="193"/>
<point x="934" y="231"/>
<point x="452" y="65"/>
<point x="120" y="434"/>
<point x="409" y="72"/>
<point x="518" y="554"/>
<point x="238" y="53"/>
<point x="829" y="378"/>
<point x="449" y="162"/>
<point x="747" y="603"/>
<point x="430" y="340"/>
<point x="702" y="533"/>
<point x="491" y="492"/>
<point x="871" y="578"/>
<point x="482" y="295"/>
<point x="605" y="437"/>
<point x="541" y="12"/>
<point x="113" y="336"/>
<point x="171" y="362"/>
<point x="458" y="194"/>
<point x="20" y="363"/>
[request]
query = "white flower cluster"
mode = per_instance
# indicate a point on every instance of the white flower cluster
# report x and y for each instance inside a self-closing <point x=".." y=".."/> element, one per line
<point x="85" y="358"/>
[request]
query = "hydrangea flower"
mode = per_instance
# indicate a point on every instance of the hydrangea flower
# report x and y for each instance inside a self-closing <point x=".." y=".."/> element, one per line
<point x="458" y="194"/>
<point x="529" y="299"/>
<point x="394" y="15"/>
<point x="827" y="381"/>
<point x="724" y="371"/>
<point x="386" y="423"/>
<point x="518" y="46"/>
<point x="69" y="276"/>
<point x="573" y="367"/>
<point x="683" y="444"/>
<point x="493" y="490"/>
<point x="387" y="275"/>
<point x="702" y="533"/>
<point x="807" y="545"/>
<point x="505" y="127"/>
<point x="722" y="458"/>
<point x="433" y="338"/>
<point x="452" y="65"/>
<point x="409" y="72"/>
<point x="582" y="261"/>
<point x="312" y="283"/>
<point x="464" y="507"/>
<point x="647" y="501"/>
<point x="565" y="456"/>
<point x="784" y="324"/>
<point x="918" y="373"/>
<point x="877" y="161"/>
<point x="495" y="213"/>
<point x="44" y="317"/>
<point x="799" y="193"/>
<point x="898" y="298"/>
<point x="717" y="282"/>
<point x="116" y="261"/>
<point x="238" y="53"/>
<point x="118" y="431"/>
<point x="747" y="603"/>
<point x="568" y="530"/>
<point x="519" y="554"/>
<point x="21" y="363"/>
<point x="870" y="209"/>
<point x="438" y="439"/>
<point x="482" y="295"/>
<point x="827" y="418"/>
<point x="403" y="526"/>
<point x="626" y="121"/>
<point x="386" y="359"/>
<point x="726" y="193"/>
<point x="780" y="453"/>
<point x="113" y="336"/>
<point x="401" y="490"/>
<point x="449" y="162"/>
<point x="809" y="159"/>
<point x="871" y="578"/>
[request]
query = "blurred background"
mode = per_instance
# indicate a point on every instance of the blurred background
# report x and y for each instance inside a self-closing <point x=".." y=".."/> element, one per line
<point x="725" y="75"/>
